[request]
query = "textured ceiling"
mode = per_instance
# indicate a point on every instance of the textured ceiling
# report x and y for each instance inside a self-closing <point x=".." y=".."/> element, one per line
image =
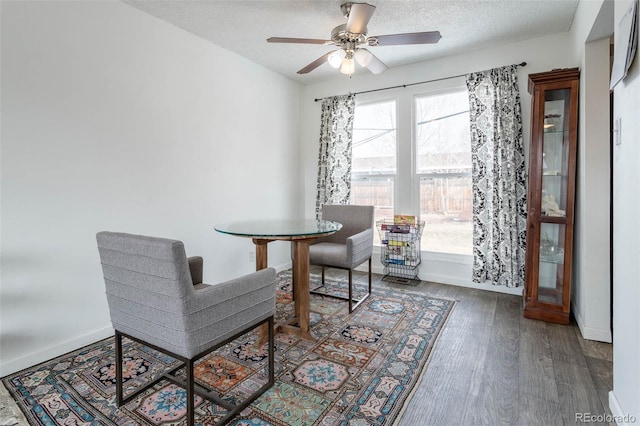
<point x="242" y="26"/>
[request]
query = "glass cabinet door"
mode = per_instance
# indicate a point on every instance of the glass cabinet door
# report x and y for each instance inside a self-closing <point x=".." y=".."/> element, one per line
<point x="554" y="153"/>
<point x="551" y="263"/>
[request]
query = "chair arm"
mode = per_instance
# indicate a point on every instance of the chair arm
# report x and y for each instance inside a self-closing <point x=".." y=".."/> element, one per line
<point x="195" y="267"/>
<point x="245" y="291"/>
<point x="360" y="246"/>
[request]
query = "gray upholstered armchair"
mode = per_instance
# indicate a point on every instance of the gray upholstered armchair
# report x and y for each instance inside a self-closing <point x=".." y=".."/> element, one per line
<point x="347" y="248"/>
<point x="156" y="297"/>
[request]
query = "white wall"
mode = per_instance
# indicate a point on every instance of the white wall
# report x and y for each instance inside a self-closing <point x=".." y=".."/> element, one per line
<point x="625" y="398"/>
<point x="591" y="296"/>
<point x="591" y="269"/>
<point x="115" y="120"/>
<point x="590" y="23"/>
<point x="541" y="54"/>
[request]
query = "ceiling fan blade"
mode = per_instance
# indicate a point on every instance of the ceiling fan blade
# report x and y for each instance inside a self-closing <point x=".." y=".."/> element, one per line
<point x="315" y="64"/>
<point x="296" y="40"/>
<point x="376" y="66"/>
<point x="409" y="38"/>
<point x="359" y="16"/>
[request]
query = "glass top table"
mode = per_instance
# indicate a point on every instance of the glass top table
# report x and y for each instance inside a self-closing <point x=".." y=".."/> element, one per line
<point x="301" y="233"/>
<point x="279" y="229"/>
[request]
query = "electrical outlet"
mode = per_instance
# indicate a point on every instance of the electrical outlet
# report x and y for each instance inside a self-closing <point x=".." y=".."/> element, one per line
<point x="252" y="255"/>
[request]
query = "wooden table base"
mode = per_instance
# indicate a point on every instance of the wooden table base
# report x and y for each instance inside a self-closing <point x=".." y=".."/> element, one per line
<point x="299" y="324"/>
<point x="291" y="327"/>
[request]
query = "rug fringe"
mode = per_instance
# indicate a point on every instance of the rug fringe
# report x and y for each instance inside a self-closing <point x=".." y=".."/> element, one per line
<point x="10" y="412"/>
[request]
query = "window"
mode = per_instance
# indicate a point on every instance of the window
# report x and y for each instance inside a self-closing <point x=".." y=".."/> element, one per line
<point x="412" y="155"/>
<point x="443" y="169"/>
<point x="373" y="171"/>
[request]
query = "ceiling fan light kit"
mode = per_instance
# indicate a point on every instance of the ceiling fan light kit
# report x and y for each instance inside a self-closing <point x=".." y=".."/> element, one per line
<point x="348" y="66"/>
<point x="351" y="39"/>
<point x="335" y="58"/>
<point x="363" y="57"/>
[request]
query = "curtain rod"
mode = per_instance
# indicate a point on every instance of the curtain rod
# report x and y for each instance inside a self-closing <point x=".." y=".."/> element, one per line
<point x="521" y="64"/>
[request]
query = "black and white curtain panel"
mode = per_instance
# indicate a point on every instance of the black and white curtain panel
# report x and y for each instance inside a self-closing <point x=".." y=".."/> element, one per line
<point x="334" y="160"/>
<point x="498" y="177"/>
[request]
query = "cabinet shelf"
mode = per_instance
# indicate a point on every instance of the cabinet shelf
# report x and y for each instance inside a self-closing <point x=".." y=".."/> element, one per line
<point x="552" y="172"/>
<point x="556" y="260"/>
<point x="560" y="220"/>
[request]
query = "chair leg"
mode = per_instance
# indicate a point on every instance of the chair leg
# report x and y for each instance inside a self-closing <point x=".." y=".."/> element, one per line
<point x="350" y="290"/>
<point x="189" y="384"/>
<point x="190" y="393"/>
<point x="369" y="275"/>
<point x="119" y="394"/>
<point x="352" y="306"/>
<point x="272" y="357"/>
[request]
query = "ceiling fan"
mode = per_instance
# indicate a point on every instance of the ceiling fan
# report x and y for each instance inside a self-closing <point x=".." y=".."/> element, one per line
<point x="351" y="39"/>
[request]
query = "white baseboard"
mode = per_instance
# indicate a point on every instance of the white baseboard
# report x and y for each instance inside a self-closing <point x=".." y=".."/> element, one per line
<point x="590" y="333"/>
<point x="619" y="416"/>
<point x="14" y="365"/>
<point x="449" y="280"/>
<point x="516" y="291"/>
<point x="283" y="267"/>
<point x="377" y="268"/>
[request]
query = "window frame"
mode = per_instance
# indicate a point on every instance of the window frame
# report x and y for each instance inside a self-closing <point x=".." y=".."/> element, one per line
<point x="393" y="176"/>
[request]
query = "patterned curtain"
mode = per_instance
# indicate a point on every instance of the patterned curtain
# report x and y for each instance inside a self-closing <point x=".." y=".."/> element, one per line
<point x="334" y="160"/>
<point x="498" y="177"/>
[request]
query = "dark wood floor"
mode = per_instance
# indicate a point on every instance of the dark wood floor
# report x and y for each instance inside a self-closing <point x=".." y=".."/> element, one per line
<point x="492" y="366"/>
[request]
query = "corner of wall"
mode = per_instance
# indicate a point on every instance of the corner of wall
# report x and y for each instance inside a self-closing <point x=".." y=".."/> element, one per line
<point x="618" y="415"/>
<point x="588" y="332"/>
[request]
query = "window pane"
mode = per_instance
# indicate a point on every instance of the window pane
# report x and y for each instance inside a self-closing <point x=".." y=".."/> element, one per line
<point x="443" y="147"/>
<point x="442" y="129"/>
<point x="446" y="207"/>
<point x="376" y="191"/>
<point x="374" y="139"/>
<point x="374" y="158"/>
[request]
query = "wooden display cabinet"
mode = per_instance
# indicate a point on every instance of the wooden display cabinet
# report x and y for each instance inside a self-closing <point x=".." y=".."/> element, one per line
<point x="552" y="174"/>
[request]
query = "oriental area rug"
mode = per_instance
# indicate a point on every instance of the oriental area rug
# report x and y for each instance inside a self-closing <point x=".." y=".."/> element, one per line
<point x="360" y="371"/>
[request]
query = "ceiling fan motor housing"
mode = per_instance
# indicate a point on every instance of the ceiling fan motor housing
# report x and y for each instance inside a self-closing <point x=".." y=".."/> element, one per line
<point x="340" y="36"/>
<point x="346" y="9"/>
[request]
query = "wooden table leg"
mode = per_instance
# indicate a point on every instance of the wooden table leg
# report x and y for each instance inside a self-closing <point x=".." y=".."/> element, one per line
<point x="261" y="253"/>
<point x="301" y="286"/>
